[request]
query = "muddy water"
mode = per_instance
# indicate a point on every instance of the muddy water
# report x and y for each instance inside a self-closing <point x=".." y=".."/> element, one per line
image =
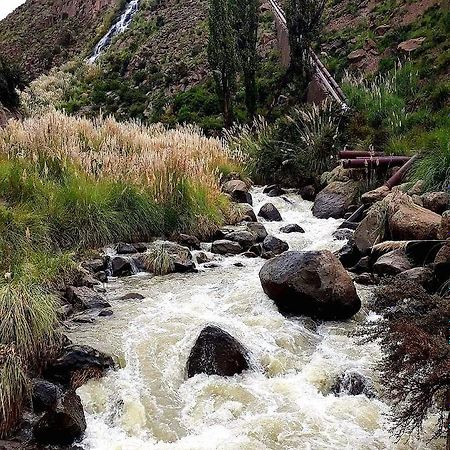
<point x="282" y="403"/>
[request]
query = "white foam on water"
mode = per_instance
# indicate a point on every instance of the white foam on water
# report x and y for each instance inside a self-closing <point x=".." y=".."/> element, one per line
<point x="282" y="403"/>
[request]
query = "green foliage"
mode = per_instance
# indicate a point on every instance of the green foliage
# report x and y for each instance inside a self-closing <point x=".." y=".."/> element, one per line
<point x="222" y="53"/>
<point x="10" y="79"/>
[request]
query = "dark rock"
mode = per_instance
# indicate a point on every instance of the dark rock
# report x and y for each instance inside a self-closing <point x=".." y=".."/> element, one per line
<point x="275" y="191"/>
<point x="188" y="241"/>
<point x="334" y="200"/>
<point x="78" y="360"/>
<point x="63" y="424"/>
<point x="125" y="249"/>
<point x="238" y="264"/>
<point x="106" y="312"/>
<point x="246" y="213"/>
<point x="258" y="230"/>
<point x="225" y="247"/>
<point x="353" y="383"/>
<point x="249" y="255"/>
<point x="442" y="264"/>
<point x="349" y="254"/>
<point x="366" y="279"/>
<point x="363" y="265"/>
<point x="86" y="298"/>
<point x="101" y="276"/>
<point x="270" y="213"/>
<point x="419" y="275"/>
<point x="269" y="187"/>
<point x="292" y="228"/>
<point x="244" y="238"/>
<point x="65" y="310"/>
<point x="140" y="247"/>
<point x="88" y="280"/>
<point x="308" y="193"/>
<point x="216" y="353"/>
<point x="256" y="249"/>
<point x="44" y="395"/>
<point x="238" y="191"/>
<point x="310" y="283"/>
<point x="437" y="202"/>
<point x="343" y="234"/>
<point x="94" y="265"/>
<point x="121" y="266"/>
<point x="210" y="265"/>
<point x="202" y="258"/>
<point x="392" y="263"/>
<point x="132" y="296"/>
<point x="273" y="246"/>
<point x="89" y="316"/>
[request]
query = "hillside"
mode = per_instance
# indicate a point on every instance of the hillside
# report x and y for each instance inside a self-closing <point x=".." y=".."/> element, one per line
<point x="42" y="34"/>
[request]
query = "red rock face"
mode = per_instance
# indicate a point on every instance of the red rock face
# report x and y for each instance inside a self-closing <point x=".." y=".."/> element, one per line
<point x="45" y="33"/>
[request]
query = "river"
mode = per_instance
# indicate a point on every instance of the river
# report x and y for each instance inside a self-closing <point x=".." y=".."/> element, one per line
<point x="282" y="403"/>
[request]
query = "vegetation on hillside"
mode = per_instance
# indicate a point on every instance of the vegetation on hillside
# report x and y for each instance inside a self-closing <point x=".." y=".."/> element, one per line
<point x="10" y="81"/>
<point x="68" y="184"/>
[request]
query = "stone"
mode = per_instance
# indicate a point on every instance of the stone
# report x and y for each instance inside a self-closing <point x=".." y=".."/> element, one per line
<point x="140" y="247"/>
<point x="226" y="247"/>
<point x="419" y="275"/>
<point x="408" y="221"/>
<point x="356" y="56"/>
<point x="442" y="263"/>
<point x="246" y="213"/>
<point x="44" y="395"/>
<point x="132" y="296"/>
<point x="121" y="266"/>
<point x="392" y="263"/>
<point x="376" y="195"/>
<point x="444" y="228"/>
<point x="352" y="382"/>
<point x="216" y="352"/>
<point x="367" y="232"/>
<point x="256" y="249"/>
<point x="363" y="265"/>
<point x="334" y="200"/>
<point x="63" y="424"/>
<point x="411" y="44"/>
<point x="106" y="312"/>
<point x="94" y="265"/>
<point x="244" y="238"/>
<point x="258" y="230"/>
<point x="343" y="234"/>
<point x="101" y="276"/>
<point x="78" y="360"/>
<point x="273" y="246"/>
<point x="238" y="191"/>
<point x="292" y="228"/>
<point x="186" y="240"/>
<point x="311" y="283"/>
<point x="349" y="254"/>
<point x="275" y="191"/>
<point x="86" y="298"/>
<point x="125" y="249"/>
<point x="382" y="30"/>
<point x="270" y="213"/>
<point x="308" y="192"/>
<point x="366" y="279"/>
<point x="437" y="202"/>
<point x="202" y="258"/>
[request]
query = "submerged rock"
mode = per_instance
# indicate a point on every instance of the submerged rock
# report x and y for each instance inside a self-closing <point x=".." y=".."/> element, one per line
<point x="310" y="283"/>
<point x="63" y="423"/>
<point x="292" y="228"/>
<point x="353" y="383"/>
<point x="226" y="247"/>
<point x="216" y="352"/>
<point x="270" y="213"/>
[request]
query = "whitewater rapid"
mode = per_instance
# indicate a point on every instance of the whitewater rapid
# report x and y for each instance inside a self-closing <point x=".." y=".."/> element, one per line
<point x="282" y="403"/>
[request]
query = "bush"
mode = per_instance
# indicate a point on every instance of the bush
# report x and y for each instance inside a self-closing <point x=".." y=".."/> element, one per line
<point x="10" y="79"/>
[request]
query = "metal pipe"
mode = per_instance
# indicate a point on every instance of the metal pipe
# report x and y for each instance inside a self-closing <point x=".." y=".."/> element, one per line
<point x="381" y="161"/>
<point x="349" y="154"/>
<point x="400" y="174"/>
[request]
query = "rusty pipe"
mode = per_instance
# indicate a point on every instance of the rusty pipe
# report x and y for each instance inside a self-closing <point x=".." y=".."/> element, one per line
<point x="350" y="154"/>
<point x="383" y="161"/>
<point x="400" y="174"/>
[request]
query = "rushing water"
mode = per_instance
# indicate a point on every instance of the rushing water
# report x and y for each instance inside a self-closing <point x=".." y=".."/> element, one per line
<point x="282" y="403"/>
<point x="118" y="27"/>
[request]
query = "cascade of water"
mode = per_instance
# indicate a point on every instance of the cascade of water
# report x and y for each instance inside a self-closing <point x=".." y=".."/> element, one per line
<point x="283" y="403"/>
<point x="118" y="27"/>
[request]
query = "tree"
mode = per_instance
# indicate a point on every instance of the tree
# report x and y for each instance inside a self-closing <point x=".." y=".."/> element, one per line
<point x="10" y="79"/>
<point x="246" y="25"/>
<point x="304" y="18"/>
<point x="222" y="54"/>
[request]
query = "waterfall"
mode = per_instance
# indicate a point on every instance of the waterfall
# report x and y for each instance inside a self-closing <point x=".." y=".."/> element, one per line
<point x="118" y="27"/>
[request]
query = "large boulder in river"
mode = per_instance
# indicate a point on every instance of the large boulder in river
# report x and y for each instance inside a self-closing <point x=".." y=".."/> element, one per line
<point x="334" y="200"/>
<point x="63" y="423"/>
<point x="312" y="283"/>
<point x="238" y="191"/>
<point x="216" y="352"/>
<point x="270" y="213"/>
<point x="78" y="363"/>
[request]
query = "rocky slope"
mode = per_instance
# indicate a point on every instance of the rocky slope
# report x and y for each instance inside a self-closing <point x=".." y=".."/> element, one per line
<point x="42" y="34"/>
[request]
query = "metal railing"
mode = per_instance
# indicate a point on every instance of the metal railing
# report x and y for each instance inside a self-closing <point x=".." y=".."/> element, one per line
<point x="324" y="77"/>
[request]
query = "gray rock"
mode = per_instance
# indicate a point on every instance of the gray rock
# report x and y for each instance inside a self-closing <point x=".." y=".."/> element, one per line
<point x="125" y="249"/>
<point x="270" y="213"/>
<point x="258" y="230"/>
<point x="121" y="266"/>
<point x="273" y="246"/>
<point x="352" y="382"/>
<point x="86" y="298"/>
<point x="202" y="258"/>
<point x="310" y="283"/>
<point x="343" y="234"/>
<point x="292" y="228"/>
<point x="334" y="200"/>
<point x="244" y="238"/>
<point x="225" y="247"/>
<point x="188" y="241"/>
